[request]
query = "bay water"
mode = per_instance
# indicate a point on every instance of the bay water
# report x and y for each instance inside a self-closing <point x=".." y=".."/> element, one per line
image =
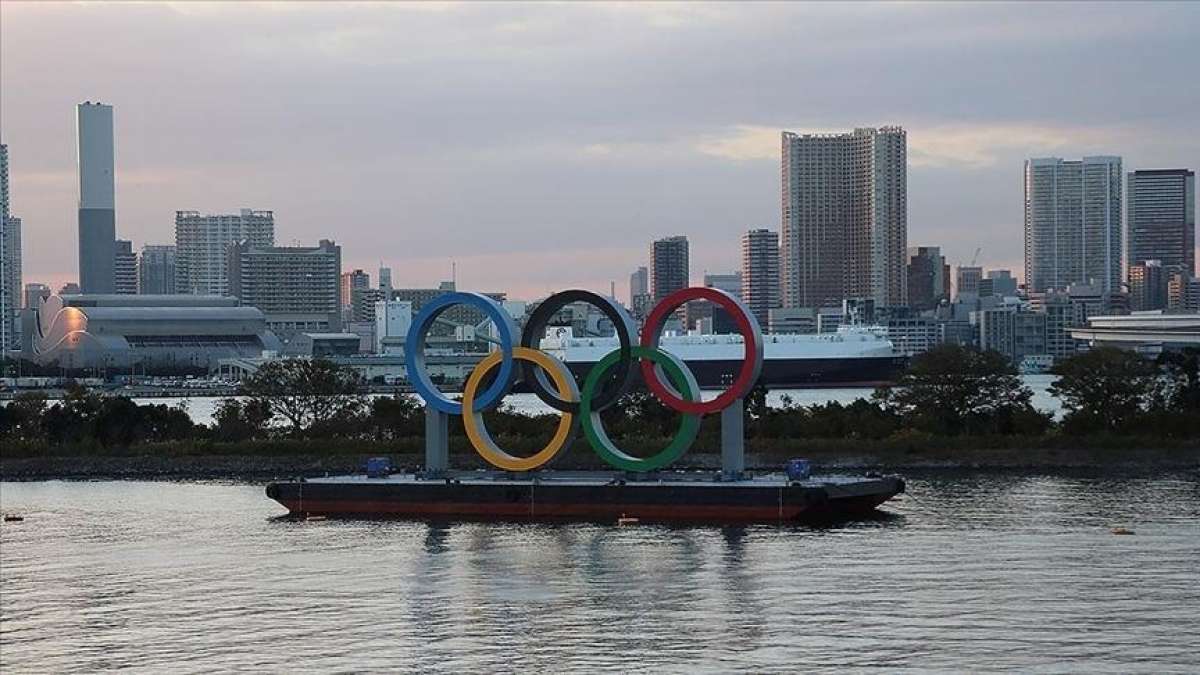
<point x="966" y="572"/>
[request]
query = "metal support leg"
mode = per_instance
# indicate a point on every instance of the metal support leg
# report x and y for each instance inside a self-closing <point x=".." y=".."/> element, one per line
<point x="437" y="442"/>
<point x="733" y="442"/>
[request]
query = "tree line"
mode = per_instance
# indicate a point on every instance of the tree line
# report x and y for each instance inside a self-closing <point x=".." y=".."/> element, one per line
<point x="949" y="391"/>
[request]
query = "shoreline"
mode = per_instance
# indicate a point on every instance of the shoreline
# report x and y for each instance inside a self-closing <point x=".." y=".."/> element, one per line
<point x="262" y="468"/>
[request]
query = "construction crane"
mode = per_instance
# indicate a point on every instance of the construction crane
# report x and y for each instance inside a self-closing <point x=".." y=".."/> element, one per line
<point x="975" y="257"/>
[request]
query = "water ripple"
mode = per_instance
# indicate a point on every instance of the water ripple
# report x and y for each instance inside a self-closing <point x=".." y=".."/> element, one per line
<point x="978" y="572"/>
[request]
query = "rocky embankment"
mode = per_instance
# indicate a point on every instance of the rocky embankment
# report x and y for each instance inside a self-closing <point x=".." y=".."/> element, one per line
<point x="269" y="467"/>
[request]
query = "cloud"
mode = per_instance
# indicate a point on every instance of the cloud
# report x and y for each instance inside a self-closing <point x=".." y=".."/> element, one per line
<point x="420" y="130"/>
<point x="950" y="146"/>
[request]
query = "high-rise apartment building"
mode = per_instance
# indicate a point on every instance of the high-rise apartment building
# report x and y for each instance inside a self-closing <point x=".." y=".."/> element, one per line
<point x="97" y="197"/>
<point x="1001" y="282"/>
<point x="669" y="266"/>
<point x="125" y="268"/>
<point x="385" y="279"/>
<point x="705" y="314"/>
<point x="639" y="292"/>
<point x="639" y="283"/>
<point x="363" y="302"/>
<point x="928" y="283"/>
<point x="393" y="318"/>
<point x="296" y="287"/>
<point x="34" y="294"/>
<point x="156" y="270"/>
<point x="966" y="280"/>
<point x="202" y="245"/>
<point x="6" y="292"/>
<point x="1183" y="293"/>
<point x="730" y="282"/>
<point x="351" y="282"/>
<point x="1148" y="282"/>
<point x="12" y="259"/>
<point x="10" y="262"/>
<point x="760" y="273"/>
<point x="845" y="217"/>
<point x="1160" y="208"/>
<point x="1073" y="223"/>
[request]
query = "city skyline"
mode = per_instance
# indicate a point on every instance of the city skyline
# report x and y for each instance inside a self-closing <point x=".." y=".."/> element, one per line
<point x="593" y="183"/>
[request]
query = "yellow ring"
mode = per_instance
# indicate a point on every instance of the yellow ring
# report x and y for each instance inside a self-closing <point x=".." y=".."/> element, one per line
<point x="482" y="441"/>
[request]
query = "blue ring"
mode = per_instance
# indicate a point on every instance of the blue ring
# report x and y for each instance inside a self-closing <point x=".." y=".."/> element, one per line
<point x="414" y="351"/>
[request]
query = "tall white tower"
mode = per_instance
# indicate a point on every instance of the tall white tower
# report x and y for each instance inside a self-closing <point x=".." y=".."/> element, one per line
<point x="97" y="197"/>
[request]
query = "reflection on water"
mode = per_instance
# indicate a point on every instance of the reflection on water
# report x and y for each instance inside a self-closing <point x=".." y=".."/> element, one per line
<point x="965" y="571"/>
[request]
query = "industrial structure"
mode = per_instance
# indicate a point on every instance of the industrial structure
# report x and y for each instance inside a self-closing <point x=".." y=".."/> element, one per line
<point x="97" y="197"/>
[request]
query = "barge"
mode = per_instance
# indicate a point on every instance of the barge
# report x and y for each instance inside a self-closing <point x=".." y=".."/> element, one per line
<point x="683" y="496"/>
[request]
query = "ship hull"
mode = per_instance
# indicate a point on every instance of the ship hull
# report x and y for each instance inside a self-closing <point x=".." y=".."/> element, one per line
<point x="599" y="498"/>
<point x="867" y="371"/>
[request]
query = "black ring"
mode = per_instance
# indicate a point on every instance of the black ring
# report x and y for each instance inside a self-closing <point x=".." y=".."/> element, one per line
<point x="535" y="329"/>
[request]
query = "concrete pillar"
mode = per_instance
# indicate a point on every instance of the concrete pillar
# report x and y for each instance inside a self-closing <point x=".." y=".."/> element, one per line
<point x="733" y="441"/>
<point x="437" y="442"/>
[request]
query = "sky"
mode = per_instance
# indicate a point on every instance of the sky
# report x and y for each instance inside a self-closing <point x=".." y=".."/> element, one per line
<point x="541" y="147"/>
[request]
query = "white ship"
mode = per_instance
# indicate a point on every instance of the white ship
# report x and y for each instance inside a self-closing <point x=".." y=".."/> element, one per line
<point x="854" y="355"/>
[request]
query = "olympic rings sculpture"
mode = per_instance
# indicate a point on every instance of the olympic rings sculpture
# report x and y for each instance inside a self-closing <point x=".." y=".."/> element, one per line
<point x="666" y="376"/>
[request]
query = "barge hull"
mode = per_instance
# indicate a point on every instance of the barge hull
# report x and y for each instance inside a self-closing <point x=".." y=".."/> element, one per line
<point x="732" y="502"/>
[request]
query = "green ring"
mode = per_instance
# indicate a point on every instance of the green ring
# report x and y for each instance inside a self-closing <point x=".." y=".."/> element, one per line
<point x="593" y="428"/>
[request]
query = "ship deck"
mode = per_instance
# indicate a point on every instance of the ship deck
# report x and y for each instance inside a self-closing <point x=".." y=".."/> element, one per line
<point x="596" y="478"/>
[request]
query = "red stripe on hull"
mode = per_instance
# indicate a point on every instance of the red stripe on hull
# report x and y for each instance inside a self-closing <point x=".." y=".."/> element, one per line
<point x="706" y="513"/>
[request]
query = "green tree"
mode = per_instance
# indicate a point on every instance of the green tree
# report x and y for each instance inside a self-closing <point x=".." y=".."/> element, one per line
<point x="1105" y="388"/>
<point x="952" y="389"/>
<point x="397" y="416"/>
<point x="120" y="422"/>
<point x="756" y="402"/>
<point x="236" y="420"/>
<point x="314" y="397"/>
<point x="24" y="416"/>
<point x="72" y="419"/>
<point x="1182" y="378"/>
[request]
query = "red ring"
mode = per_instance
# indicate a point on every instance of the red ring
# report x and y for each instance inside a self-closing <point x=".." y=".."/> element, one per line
<point x="747" y="326"/>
